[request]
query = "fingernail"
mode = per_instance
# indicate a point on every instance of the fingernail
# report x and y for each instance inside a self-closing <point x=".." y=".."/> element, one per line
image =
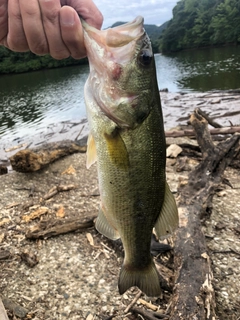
<point x="68" y="18"/>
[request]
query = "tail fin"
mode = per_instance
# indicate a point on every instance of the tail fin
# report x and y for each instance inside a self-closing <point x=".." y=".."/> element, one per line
<point x="146" y="279"/>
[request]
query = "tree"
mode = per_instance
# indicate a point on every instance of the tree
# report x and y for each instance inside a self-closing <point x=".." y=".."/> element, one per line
<point x="17" y="62"/>
<point x="198" y="23"/>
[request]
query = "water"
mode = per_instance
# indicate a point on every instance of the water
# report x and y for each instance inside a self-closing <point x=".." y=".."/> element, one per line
<point x="33" y="101"/>
<point x="200" y="70"/>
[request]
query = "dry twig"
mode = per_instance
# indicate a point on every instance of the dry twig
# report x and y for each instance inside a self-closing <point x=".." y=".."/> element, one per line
<point x="138" y="295"/>
<point x="148" y="305"/>
<point x="57" y="189"/>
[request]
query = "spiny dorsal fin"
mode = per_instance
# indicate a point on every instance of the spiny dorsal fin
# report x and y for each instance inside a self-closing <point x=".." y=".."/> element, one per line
<point x="91" y="151"/>
<point x="167" y="220"/>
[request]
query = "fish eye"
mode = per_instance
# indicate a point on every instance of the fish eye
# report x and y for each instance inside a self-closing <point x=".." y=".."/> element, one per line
<point x="145" y="57"/>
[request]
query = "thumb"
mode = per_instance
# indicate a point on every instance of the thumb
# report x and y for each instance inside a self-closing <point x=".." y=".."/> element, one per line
<point x="88" y="11"/>
<point x="72" y="32"/>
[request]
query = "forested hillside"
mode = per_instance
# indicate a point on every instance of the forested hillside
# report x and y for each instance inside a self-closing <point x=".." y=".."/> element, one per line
<point x="199" y="23"/>
<point x="16" y="62"/>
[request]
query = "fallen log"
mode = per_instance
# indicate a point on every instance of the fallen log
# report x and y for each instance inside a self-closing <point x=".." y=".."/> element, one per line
<point x="30" y="160"/>
<point x="193" y="293"/>
<point x="190" y="132"/>
<point x="47" y="229"/>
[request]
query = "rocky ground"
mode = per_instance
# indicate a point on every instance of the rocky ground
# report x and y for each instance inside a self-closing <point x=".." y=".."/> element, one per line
<point x="74" y="275"/>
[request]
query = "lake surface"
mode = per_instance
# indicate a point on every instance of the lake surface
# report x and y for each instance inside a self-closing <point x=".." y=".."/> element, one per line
<point x="32" y="102"/>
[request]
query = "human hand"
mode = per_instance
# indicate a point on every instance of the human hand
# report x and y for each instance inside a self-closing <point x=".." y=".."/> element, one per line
<point x="47" y="26"/>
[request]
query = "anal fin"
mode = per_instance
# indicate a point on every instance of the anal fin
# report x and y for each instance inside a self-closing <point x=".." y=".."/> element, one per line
<point x="104" y="227"/>
<point x="167" y="220"/>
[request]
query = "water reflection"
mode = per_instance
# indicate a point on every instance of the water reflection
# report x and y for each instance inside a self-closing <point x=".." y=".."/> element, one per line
<point x="31" y="102"/>
<point x="39" y="98"/>
<point x="208" y="69"/>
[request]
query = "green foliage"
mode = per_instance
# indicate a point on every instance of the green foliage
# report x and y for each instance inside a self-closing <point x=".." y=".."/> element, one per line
<point x="17" y="62"/>
<point x="199" y="23"/>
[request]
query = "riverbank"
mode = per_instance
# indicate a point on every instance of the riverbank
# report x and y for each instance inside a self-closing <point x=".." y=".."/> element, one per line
<point x="222" y="106"/>
<point x="74" y="276"/>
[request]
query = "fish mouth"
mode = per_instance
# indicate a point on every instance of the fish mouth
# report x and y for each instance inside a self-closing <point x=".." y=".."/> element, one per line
<point x="109" y="52"/>
<point x="118" y="36"/>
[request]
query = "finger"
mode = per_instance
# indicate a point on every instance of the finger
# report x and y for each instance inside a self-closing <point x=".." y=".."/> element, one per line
<point x="72" y="32"/>
<point x="16" y="39"/>
<point x="33" y="27"/>
<point x="87" y="10"/>
<point x="50" y="15"/>
<point x="3" y="20"/>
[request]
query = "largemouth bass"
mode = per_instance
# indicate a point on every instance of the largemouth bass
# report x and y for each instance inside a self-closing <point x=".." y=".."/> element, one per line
<point x="127" y="141"/>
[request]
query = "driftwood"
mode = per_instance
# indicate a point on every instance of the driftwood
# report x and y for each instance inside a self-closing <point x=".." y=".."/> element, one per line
<point x="148" y="315"/>
<point x="3" y="313"/>
<point x="193" y="293"/>
<point x="50" y="229"/>
<point x="30" y="160"/>
<point x="3" y="170"/>
<point x="191" y="133"/>
<point x="209" y="120"/>
<point x="13" y="307"/>
<point x="56" y="189"/>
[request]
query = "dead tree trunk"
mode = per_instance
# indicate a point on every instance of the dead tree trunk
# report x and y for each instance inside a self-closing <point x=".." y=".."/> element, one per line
<point x="193" y="295"/>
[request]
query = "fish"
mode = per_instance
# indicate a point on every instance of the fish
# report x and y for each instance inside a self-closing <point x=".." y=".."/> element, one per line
<point x="128" y="143"/>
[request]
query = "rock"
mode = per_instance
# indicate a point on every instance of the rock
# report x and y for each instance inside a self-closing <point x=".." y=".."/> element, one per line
<point x="173" y="151"/>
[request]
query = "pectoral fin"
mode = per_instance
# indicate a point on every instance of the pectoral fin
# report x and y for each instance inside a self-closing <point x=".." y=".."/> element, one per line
<point x="167" y="221"/>
<point x="91" y="151"/>
<point x="117" y="150"/>
<point x="104" y="227"/>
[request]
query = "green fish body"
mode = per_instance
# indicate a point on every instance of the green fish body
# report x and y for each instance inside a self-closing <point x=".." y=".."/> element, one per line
<point x="127" y="141"/>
